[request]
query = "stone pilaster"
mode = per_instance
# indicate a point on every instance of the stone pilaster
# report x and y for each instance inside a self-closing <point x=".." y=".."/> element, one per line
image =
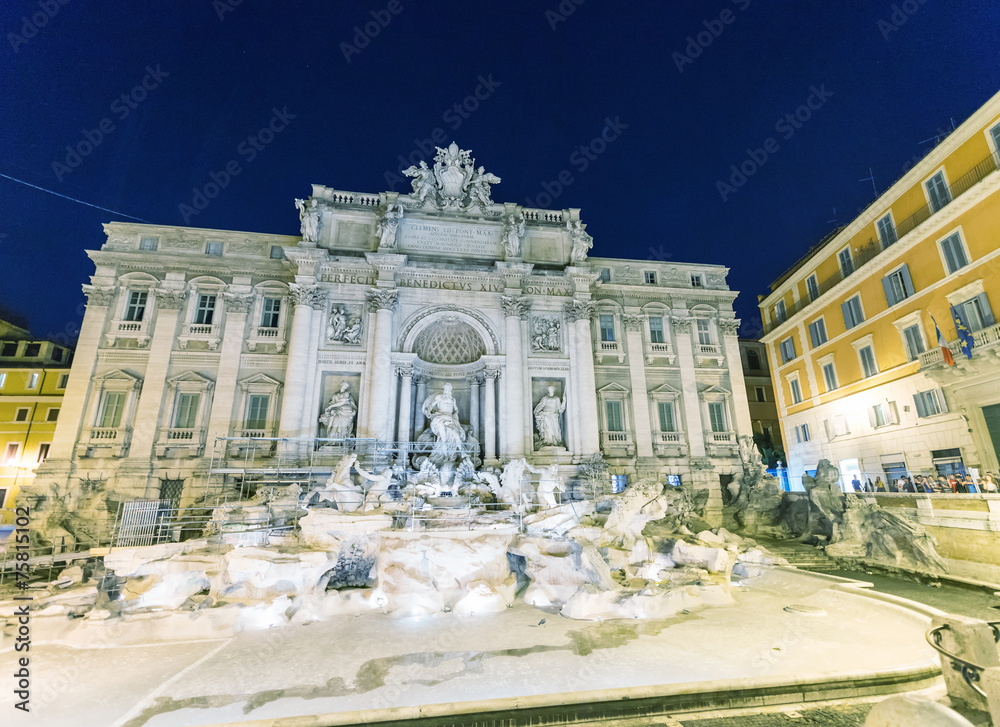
<point x="689" y="386"/>
<point x="490" y="416"/>
<point x="382" y="302"/>
<point x="305" y="298"/>
<point x="514" y="308"/>
<point x="237" y="302"/>
<point x="582" y="313"/>
<point x="637" y="376"/>
<point x="475" y="381"/>
<point x="419" y="421"/>
<point x="148" y="412"/>
<point x="573" y="400"/>
<point x="310" y="404"/>
<point x="728" y="330"/>
<point x="74" y="402"/>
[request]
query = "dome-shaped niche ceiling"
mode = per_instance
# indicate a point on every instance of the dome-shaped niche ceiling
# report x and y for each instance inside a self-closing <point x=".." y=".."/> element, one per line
<point x="449" y="341"/>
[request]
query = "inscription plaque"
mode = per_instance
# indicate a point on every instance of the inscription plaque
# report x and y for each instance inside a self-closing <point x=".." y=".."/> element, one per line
<point x="416" y="236"/>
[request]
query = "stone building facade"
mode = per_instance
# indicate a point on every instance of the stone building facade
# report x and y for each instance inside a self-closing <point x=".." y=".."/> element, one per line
<point x="194" y="335"/>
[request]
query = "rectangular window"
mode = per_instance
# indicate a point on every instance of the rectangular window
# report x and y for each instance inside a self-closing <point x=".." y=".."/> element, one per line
<point x="111" y="412"/>
<point x="613" y="410"/>
<point x="976" y="313"/>
<point x="812" y="287"/>
<point x="277" y="253"/>
<point x="21" y="415"/>
<point x="846" y="262"/>
<point x="43" y="452"/>
<point x="257" y="411"/>
<point x="605" y="276"/>
<point x="787" y="350"/>
<point x="148" y="243"/>
<point x="213" y="248"/>
<point x="796" y="391"/>
<point x="760" y="392"/>
<point x="57" y="354"/>
<point x="205" y="312"/>
<point x="914" y="341"/>
<point x="929" y="403"/>
<point x="697" y="282"/>
<point x="52" y="415"/>
<point x="882" y="414"/>
<point x="666" y="412"/>
<point x="607" y="327"/>
<point x="937" y="191"/>
<point x="63" y="380"/>
<point x="802" y="433"/>
<point x="271" y="313"/>
<point x="8" y="349"/>
<point x="704" y="332"/>
<point x="619" y="483"/>
<point x="650" y="276"/>
<point x="186" y="413"/>
<point x="852" y="312"/>
<point x="32" y="350"/>
<point x="135" y="309"/>
<point x="32" y="381"/>
<point x="656" y="330"/>
<point x="3" y="378"/>
<point x="717" y="416"/>
<point x="897" y="285"/>
<point x="780" y="315"/>
<point x="995" y="133"/>
<point x="817" y="332"/>
<point x="954" y="253"/>
<point x="830" y="376"/>
<point x="868" y="365"/>
<point x="886" y="231"/>
<point x="10" y="454"/>
<point x="753" y="360"/>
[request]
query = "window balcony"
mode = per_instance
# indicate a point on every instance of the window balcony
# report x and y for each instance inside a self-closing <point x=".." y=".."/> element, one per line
<point x="669" y="444"/>
<point x="660" y="350"/>
<point x="708" y="352"/>
<point x="618" y="441"/>
<point x="209" y="334"/>
<point x="609" y="348"/>
<point x="721" y="444"/>
<point x="135" y="330"/>
<point x="252" y="443"/>
<point x="104" y="442"/>
<point x="181" y="441"/>
<point x="266" y="335"/>
<point x="986" y="341"/>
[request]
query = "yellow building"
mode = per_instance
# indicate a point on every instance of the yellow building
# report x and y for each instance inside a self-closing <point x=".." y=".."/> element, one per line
<point x="33" y="377"/>
<point x="850" y="328"/>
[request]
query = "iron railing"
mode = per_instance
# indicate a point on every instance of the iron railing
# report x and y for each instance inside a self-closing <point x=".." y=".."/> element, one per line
<point x="971" y="673"/>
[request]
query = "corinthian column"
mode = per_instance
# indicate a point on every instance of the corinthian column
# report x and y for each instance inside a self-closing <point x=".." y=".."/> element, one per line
<point x="689" y="386"/>
<point x="405" y="433"/>
<point x="147" y="414"/>
<point x="637" y="375"/>
<point x="382" y="302"/>
<point x="728" y="329"/>
<point x="490" y="415"/>
<point x="475" y="380"/>
<point x="582" y="312"/>
<point x="514" y="308"/>
<point x="305" y="298"/>
<point x="238" y="304"/>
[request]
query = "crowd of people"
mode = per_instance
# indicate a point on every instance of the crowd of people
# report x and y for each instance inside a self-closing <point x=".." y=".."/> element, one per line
<point x="942" y="484"/>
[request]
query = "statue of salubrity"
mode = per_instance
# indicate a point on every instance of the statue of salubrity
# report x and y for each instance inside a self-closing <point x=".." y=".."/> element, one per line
<point x="548" y="416"/>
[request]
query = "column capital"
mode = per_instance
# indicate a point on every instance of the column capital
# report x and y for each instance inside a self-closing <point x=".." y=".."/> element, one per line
<point x="98" y="296"/>
<point x="491" y="373"/>
<point x="310" y="295"/>
<point x="515" y="306"/>
<point x="404" y="370"/>
<point x="475" y="379"/>
<point x="681" y="325"/>
<point x="307" y="259"/>
<point x="169" y="298"/>
<point x="633" y="321"/>
<point x="237" y="302"/>
<point x="729" y="326"/>
<point x="382" y="299"/>
<point x="581" y="310"/>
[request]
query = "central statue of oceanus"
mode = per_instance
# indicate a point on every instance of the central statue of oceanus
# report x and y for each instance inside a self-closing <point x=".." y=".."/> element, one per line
<point x="441" y="411"/>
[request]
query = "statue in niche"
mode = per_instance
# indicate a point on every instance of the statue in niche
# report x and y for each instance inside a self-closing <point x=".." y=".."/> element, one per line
<point x="548" y="484"/>
<point x="309" y="216"/>
<point x="441" y="411"/>
<point x="513" y="231"/>
<point x="344" y="327"/>
<point x="580" y="240"/>
<point x="388" y="223"/>
<point x="338" y="417"/>
<point x="546" y="334"/>
<point x="548" y="414"/>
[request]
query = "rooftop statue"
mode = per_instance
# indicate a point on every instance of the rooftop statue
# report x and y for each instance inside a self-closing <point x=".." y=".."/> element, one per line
<point x="453" y="182"/>
<point x="309" y="215"/>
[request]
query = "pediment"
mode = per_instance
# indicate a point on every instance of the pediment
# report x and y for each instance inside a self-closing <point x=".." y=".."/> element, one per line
<point x="613" y="388"/>
<point x="260" y="380"/>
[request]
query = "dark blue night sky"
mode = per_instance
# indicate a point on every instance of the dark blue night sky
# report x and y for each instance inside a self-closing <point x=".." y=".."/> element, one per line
<point x="549" y="82"/>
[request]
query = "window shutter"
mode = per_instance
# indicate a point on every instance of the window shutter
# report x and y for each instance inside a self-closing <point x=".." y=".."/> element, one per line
<point x="984" y="304"/>
<point x="941" y="401"/>
<point x="918" y="401"/>
<point x="812" y="334"/>
<point x="904" y="273"/>
<point x="893" y="413"/>
<point x="890" y="293"/>
<point x="871" y="417"/>
<point x="846" y="310"/>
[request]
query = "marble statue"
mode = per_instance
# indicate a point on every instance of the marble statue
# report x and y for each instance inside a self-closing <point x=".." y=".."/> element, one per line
<point x="515" y="491"/>
<point x="479" y="187"/>
<point x="581" y="242"/>
<point x="424" y="182"/>
<point x="339" y="488"/>
<point x="441" y="411"/>
<point x="548" y="414"/>
<point x="388" y="223"/>
<point x="309" y="216"/>
<point x="381" y="484"/>
<point x="453" y="182"/>
<point x="548" y="484"/>
<point x="489" y="477"/>
<point x="338" y="417"/>
<point x="344" y="327"/>
<point x="513" y="231"/>
<point x="546" y="334"/>
<point x="427" y="481"/>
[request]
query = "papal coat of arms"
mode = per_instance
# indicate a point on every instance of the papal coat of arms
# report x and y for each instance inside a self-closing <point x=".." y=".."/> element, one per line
<point x="453" y="182"/>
